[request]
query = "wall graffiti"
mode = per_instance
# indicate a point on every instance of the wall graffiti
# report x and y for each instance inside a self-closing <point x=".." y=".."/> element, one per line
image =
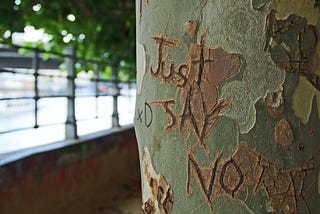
<point x="291" y="43"/>
<point x="202" y="96"/>
<point x="197" y="81"/>
<point x="285" y="189"/>
<point x="145" y="115"/>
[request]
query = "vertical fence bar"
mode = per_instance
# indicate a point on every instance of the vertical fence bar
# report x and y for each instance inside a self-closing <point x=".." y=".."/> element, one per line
<point x="115" y="114"/>
<point x="35" y="65"/>
<point x="71" y="123"/>
<point x="129" y="87"/>
<point x="97" y="77"/>
<point x="129" y="80"/>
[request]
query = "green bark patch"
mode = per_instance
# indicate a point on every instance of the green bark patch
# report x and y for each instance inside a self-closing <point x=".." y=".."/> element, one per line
<point x="245" y="36"/>
<point x="303" y="99"/>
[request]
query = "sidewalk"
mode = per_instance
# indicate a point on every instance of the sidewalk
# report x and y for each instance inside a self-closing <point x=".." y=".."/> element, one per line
<point x="123" y="198"/>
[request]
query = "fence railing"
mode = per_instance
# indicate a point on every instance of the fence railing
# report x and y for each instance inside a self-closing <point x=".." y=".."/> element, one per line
<point x="70" y="75"/>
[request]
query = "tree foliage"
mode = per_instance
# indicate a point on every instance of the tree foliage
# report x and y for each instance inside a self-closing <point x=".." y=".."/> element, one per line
<point x="98" y="29"/>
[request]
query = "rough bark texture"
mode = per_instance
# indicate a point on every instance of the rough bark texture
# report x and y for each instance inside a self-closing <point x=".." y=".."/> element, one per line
<point x="228" y="105"/>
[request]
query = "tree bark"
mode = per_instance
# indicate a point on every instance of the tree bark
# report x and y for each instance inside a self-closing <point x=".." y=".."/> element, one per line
<point x="228" y="106"/>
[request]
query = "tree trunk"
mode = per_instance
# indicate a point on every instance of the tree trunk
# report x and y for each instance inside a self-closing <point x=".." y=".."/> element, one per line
<point x="228" y="106"/>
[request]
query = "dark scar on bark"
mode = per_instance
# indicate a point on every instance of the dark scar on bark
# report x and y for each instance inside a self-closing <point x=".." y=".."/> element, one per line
<point x="291" y="43"/>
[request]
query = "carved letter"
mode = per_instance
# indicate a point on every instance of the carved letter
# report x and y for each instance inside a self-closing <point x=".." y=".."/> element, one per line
<point x="226" y="187"/>
<point x="195" y="170"/>
<point x="147" y="109"/>
<point x="165" y="105"/>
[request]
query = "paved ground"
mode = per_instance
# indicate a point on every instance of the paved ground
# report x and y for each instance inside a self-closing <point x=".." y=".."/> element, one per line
<point x="122" y="198"/>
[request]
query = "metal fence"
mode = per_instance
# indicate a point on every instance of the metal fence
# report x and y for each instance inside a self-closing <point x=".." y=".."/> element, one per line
<point x="35" y="61"/>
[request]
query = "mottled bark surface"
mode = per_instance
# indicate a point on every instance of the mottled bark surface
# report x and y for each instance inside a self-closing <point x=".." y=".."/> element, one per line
<point x="228" y="106"/>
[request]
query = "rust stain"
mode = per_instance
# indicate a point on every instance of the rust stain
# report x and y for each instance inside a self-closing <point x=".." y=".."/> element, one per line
<point x="197" y="81"/>
<point x="283" y="134"/>
<point x="312" y="133"/>
<point x="275" y="104"/>
<point x="285" y="189"/>
<point x="191" y="27"/>
<point x="160" y="193"/>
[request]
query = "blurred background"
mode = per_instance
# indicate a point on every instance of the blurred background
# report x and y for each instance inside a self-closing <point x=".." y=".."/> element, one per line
<point x="37" y="41"/>
<point x="67" y="97"/>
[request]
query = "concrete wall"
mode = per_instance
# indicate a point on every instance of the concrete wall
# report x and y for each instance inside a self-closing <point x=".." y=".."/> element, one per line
<point x="46" y="181"/>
